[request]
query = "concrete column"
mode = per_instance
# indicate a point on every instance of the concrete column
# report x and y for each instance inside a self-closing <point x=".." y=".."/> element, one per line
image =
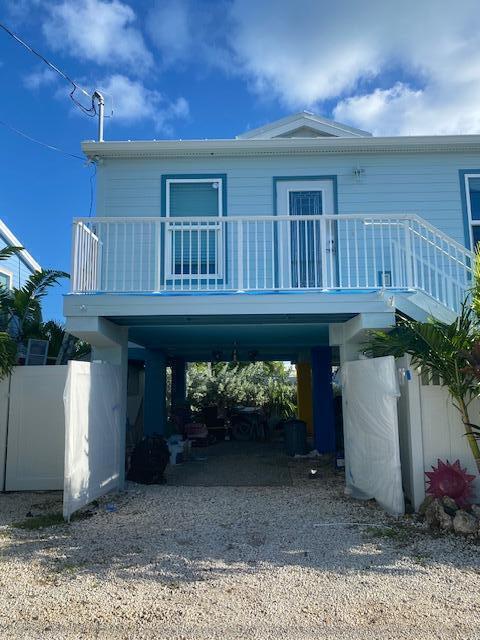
<point x="304" y="394"/>
<point x="179" y="381"/>
<point x="155" y="399"/>
<point x="322" y="392"/>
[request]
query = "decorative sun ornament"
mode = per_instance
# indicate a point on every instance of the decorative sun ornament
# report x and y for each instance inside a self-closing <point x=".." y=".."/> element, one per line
<point x="450" y="480"/>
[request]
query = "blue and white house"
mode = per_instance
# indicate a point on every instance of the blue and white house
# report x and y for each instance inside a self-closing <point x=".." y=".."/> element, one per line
<point x="288" y="242"/>
<point x="15" y="270"/>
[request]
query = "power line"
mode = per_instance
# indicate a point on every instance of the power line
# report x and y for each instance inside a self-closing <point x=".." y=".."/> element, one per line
<point x="51" y="147"/>
<point x="90" y="111"/>
<point x="42" y="144"/>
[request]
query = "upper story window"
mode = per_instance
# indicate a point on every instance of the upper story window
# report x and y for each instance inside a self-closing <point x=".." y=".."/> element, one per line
<point x="5" y="279"/>
<point x="194" y="197"/>
<point x="472" y="190"/>
<point x="194" y="248"/>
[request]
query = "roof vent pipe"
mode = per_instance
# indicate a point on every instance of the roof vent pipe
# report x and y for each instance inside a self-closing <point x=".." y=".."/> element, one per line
<point x="101" y="113"/>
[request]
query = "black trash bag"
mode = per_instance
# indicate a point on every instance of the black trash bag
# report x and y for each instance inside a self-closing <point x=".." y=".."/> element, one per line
<point x="148" y="461"/>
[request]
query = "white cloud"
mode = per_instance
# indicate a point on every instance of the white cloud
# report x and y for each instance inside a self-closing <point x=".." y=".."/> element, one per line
<point x="132" y="102"/>
<point x="43" y="77"/>
<point x="98" y="31"/>
<point x="409" y="67"/>
<point x="186" y="30"/>
<point x="445" y="105"/>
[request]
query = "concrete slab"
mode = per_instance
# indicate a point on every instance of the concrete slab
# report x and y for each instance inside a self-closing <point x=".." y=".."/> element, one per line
<point x="234" y="464"/>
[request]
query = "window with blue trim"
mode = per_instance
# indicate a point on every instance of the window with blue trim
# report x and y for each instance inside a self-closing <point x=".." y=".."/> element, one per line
<point x="473" y="205"/>
<point x="194" y="245"/>
<point x="5" y="280"/>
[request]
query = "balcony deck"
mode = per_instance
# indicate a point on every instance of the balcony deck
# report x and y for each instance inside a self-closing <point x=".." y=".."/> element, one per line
<point x="208" y="257"/>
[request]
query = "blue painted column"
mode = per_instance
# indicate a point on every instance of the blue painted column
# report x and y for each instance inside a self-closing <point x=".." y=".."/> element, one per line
<point x="179" y="382"/>
<point x="155" y="399"/>
<point x="323" y="407"/>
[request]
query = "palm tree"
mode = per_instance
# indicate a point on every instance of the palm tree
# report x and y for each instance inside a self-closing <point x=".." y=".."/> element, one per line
<point x="442" y="350"/>
<point x="20" y="311"/>
<point x="22" y="307"/>
<point x="8" y="349"/>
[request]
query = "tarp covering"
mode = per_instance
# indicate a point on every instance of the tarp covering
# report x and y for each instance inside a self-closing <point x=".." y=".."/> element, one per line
<point x="93" y="428"/>
<point x="372" y="451"/>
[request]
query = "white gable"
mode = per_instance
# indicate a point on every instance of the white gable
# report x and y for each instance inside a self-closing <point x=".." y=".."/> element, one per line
<point x="303" y="125"/>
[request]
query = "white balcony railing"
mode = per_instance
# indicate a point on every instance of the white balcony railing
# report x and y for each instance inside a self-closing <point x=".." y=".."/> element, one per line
<point x="265" y="253"/>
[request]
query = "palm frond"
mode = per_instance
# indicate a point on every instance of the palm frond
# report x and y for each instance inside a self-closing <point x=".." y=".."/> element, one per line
<point x="475" y="290"/>
<point x="9" y="251"/>
<point x="38" y="283"/>
<point x="435" y="347"/>
<point x="8" y="354"/>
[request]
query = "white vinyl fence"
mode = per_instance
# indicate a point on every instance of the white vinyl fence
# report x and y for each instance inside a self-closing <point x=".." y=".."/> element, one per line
<point x="94" y="427"/>
<point x="370" y="426"/>
<point x="430" y="428"/>
<point x="32" y="429"/>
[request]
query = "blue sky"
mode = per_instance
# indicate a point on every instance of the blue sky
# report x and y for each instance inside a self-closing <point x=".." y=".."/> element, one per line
<point x="212" y="69"/>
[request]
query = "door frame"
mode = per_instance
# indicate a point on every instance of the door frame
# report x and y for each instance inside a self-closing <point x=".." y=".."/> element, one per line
<point x="282" y="186"/>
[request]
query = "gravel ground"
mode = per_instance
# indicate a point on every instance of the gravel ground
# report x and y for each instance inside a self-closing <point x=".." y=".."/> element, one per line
<point x="234" y="562"/>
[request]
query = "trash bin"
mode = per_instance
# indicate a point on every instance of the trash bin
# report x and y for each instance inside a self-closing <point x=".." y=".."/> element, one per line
<point x="295" y="437"/>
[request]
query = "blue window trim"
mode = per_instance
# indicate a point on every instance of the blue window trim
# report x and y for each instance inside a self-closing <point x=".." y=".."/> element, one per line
<point x="463" y="195"/>
<point x="277" y="179"/>
<point x="163" y="212"/>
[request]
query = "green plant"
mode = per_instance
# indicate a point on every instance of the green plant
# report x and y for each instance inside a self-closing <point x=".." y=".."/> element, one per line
<point x="8" y="349"/>
<point x="8" y="354"/>
<point x="439" y="349"/>
<point x="22" y="306"/>
<point x="40" y="522"/>
<point x="227" y="385"/>
<point x="21" y="313"/>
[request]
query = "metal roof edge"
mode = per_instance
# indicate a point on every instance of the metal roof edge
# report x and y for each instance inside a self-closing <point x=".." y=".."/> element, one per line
<point x="284" y="146"/>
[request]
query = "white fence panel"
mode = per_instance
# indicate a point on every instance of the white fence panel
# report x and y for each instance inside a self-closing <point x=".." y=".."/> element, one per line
<point x="4" y="385"/>
<point x="410" y="432"/>
<point x="430" y="428"/>
<point x="93" y="426"/>
<point x="372" y="452"/>
<point x="36" y="433"/>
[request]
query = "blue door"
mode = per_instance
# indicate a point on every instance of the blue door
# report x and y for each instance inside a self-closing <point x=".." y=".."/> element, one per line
<point x="305" y="239"/>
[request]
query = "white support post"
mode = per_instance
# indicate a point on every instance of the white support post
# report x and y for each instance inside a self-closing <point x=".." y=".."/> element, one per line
<point x="323" y="251"/>
<point x="408" y="254"/>
<point x="159" y="251"/>
<point x="240" y="255"/>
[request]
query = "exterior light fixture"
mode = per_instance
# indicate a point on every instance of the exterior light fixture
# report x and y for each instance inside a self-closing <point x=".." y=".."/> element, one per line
<point x="358" y="172"/>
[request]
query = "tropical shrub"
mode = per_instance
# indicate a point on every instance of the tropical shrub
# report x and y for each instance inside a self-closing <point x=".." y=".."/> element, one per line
<point x="228" y="385"/>
<point x="440" y="349"/>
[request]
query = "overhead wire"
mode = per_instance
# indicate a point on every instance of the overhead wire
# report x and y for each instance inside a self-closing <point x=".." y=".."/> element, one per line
<point x="43" y="144"/>
<point x="90" y="111"/>
<point x="51" y="147"/>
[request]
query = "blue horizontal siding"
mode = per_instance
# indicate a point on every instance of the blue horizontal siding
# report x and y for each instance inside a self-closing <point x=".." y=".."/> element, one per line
<point x="425" y="184"/>
<point x="16" y="266"/>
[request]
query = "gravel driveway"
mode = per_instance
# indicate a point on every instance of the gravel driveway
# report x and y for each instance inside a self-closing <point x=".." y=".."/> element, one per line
<point x="234" y="562"/>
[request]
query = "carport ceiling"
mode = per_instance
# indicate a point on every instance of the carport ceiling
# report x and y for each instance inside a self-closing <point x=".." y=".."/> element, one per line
<point x="198" y="337"/>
